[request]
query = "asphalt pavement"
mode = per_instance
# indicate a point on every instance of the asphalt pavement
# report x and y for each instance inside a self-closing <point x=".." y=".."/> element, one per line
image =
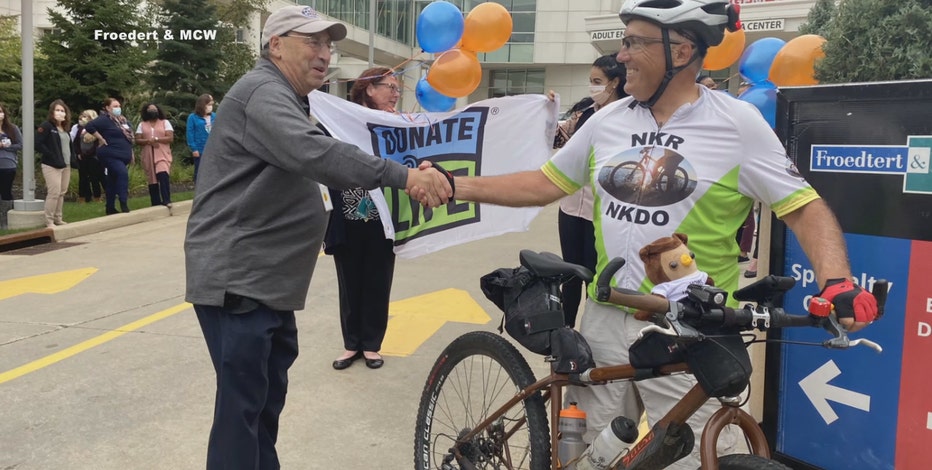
<point x="103" y="366"/>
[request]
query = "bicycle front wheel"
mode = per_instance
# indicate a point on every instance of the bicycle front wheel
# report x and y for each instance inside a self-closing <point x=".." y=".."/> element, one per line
<point x="473" y="377"/>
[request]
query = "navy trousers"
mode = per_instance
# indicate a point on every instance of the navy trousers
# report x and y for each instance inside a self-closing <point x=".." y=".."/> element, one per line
<point x="251" y="353"/>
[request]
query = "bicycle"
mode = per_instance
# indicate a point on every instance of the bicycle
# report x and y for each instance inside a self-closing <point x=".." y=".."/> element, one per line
<point x="663" y="173"/>
<point x="481" y="407"/>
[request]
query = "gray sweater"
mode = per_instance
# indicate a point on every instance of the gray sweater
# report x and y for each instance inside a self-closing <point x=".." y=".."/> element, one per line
<point x="257" y="221"/>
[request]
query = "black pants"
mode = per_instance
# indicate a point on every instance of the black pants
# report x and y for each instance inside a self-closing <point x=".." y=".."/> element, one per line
<point x="6" y="183"/>
<point x="90" y="178"/>
<point x="577" y="244"/>
<point x="365" y="266"/>
<point x="160" y="193"/>
<point x="251" y="353"/>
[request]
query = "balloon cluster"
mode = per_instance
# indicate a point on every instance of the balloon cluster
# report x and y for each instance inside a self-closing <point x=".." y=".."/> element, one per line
<point x="456" y="71"/>
<point x="766" y="64"/>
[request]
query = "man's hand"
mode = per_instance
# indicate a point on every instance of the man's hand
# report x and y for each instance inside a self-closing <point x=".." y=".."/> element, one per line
<point x="428" y="186"/>
<point x="854" y="306"/>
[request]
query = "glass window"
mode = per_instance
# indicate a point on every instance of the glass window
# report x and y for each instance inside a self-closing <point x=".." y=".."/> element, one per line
<point x="511" y="82"/>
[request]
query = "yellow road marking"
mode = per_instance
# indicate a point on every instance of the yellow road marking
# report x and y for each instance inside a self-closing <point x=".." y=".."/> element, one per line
<point x="96" y="341"/>
<point x="44" y="283"/>
<point x="413" y="321"/>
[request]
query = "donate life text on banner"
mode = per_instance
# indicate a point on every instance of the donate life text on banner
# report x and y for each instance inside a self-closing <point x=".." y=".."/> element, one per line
<point x="491" y="137"/>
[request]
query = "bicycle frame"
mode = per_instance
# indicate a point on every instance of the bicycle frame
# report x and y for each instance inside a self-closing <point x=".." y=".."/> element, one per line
<point x="645" y="452"/>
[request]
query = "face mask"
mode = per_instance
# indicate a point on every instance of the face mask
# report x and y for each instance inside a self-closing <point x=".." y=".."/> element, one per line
<point x="209" y="109"/>
<point x="116" y="111"/>
<point x="82" y="121"/>
<point x="59" y="115"/>
<point x="595" y="91"/>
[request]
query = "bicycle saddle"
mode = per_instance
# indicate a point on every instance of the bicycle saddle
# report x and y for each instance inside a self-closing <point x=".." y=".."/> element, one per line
<point x="767" y="290"/>
<point x="546" y="264"/>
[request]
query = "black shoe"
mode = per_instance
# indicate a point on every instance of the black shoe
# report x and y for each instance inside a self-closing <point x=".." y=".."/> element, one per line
<point x="341" y="364"/>
<point x="111" y="211"/>
<point x="374" y="363"/>
<point x="743" y="259"/>
<point x="124" y="207"/>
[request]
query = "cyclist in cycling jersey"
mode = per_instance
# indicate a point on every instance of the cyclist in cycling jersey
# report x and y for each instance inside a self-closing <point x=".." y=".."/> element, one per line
<point x="732" y="158"/>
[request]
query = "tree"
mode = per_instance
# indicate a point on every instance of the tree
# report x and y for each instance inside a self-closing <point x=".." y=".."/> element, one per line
<point x="238" y="57"/>
<point x="11" y="65"/>
<point x="819" y="18"/>
<point x="91" y="54"/>
<point x="186" y="67"/>
<point x="876" y="40"/>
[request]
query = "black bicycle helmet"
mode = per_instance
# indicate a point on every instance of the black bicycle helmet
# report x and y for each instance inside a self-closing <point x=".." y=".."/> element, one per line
<point x="705" y="20"/>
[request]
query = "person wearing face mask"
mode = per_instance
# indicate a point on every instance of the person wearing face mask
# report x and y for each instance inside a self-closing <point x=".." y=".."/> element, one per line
<point x="54" y="143"/>
<point x="577" y="234"/>
<point x="84" y="146"/>
<point x="115" y="150"/>
<point x="198" y="128"/>
<point x="363" y="257"/>
<point x="154" y="134"/>
<point x="11" y="141"/>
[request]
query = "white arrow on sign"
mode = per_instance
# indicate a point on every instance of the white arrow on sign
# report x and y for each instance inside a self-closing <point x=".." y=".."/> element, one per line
<point x="819" y="392"/>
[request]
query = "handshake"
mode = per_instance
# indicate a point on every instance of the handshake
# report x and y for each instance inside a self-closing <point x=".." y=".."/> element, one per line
<point x="430" y="184"/>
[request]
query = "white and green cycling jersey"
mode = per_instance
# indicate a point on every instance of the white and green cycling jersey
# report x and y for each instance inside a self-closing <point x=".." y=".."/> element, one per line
<point x="698" y="174"/>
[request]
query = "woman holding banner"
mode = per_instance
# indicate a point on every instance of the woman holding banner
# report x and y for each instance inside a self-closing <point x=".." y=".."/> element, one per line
<point x="363" y="257"/>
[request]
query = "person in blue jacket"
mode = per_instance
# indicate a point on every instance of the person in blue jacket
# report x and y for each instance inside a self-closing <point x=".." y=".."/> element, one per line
<point x="115" y="139"/>
<point x="199" y="124"/>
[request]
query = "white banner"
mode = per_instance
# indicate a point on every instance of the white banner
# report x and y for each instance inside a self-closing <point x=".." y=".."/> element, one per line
<point x="490" y="137"/>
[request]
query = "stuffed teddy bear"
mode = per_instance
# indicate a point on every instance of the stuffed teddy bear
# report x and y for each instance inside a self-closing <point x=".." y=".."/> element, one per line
<point x="671" y="267"/>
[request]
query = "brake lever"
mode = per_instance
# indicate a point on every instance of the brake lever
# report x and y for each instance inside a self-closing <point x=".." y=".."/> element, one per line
<point x="840" y="339"/>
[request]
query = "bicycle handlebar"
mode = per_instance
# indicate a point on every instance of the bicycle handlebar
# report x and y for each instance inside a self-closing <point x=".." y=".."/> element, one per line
<point x="708" y="307"/>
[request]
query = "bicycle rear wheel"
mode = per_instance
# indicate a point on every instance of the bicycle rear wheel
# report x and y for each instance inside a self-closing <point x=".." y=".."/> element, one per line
<point x="474" y="376"/>
<point x="748" y="462"/>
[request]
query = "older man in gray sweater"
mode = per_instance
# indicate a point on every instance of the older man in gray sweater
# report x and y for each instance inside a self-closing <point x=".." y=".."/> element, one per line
<point x="257" y="224"/>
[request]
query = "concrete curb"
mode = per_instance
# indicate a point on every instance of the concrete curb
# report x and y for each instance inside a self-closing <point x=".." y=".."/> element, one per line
<point x="108" y="222"/>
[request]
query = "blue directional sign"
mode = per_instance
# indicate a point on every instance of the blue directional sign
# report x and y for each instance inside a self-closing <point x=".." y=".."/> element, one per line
<point x="838" y="408"/>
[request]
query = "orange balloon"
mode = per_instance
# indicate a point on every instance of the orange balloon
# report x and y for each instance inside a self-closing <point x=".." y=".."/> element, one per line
<point x="795" y="63"/>
<point x="726" y="53"/>
<point x="488" y="27"/>
<point x="456" y="73"/>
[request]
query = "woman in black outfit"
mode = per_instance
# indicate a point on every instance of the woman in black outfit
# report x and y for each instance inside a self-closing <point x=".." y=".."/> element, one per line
<point x="114" y="150"/>
<point x="364" y="258"/>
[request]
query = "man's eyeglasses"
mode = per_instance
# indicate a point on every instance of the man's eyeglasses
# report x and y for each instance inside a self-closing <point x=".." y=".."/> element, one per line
<point x="313" y="42"/>
<point x="638" y="43"/>
<point x="391" y="86"/>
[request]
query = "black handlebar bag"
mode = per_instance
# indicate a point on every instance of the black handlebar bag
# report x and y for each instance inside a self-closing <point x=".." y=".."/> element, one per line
<point x="721" y="364"/>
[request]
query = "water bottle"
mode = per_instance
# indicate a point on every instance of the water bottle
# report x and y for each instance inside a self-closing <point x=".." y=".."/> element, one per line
<point x="572" y="428"/>
<point x="611" y="443"/>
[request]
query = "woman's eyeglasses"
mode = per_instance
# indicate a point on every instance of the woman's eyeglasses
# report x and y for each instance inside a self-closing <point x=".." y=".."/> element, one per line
<point x="391" y="86"/>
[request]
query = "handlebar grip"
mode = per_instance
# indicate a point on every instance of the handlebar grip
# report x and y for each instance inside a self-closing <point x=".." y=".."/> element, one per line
<point x="880" y="293"/>
<point x="780" y="319"/>
<point x="603" y="287"/>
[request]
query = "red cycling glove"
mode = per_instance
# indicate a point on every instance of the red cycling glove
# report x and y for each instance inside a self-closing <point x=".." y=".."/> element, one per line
<point x="850" y="300"/>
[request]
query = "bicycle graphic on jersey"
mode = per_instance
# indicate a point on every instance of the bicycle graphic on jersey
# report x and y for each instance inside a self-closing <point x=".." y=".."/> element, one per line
<point x="659" y="176"/>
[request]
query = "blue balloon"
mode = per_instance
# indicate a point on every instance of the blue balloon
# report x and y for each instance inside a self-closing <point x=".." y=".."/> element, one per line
<point x="439" y="27"/>
<point x="431" y="100"/>
<point x="763" y="96"/>
<point x="756" y="60"/>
